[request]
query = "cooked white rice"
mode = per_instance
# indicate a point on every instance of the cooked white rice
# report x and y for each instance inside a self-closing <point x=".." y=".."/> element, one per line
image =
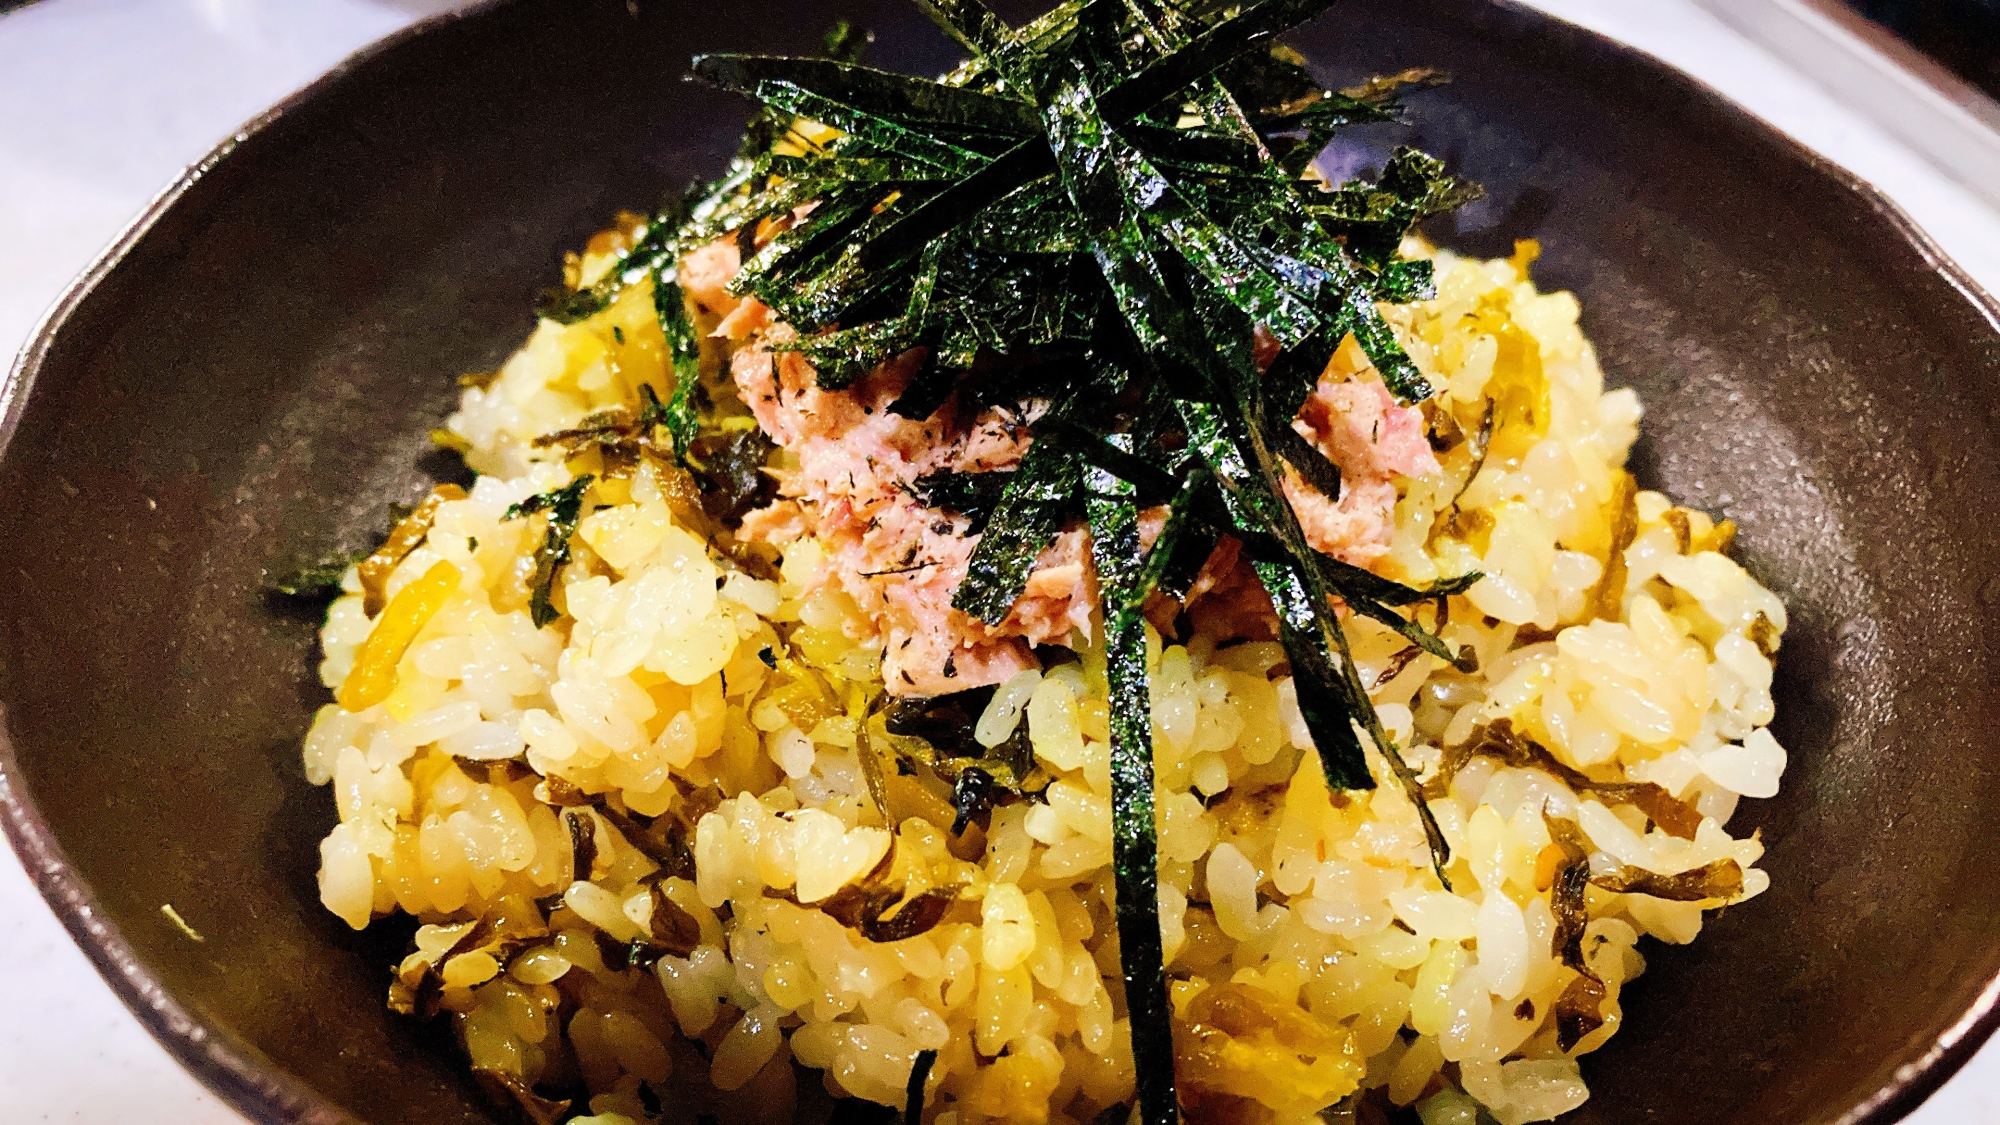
<point x="658" y="692"/>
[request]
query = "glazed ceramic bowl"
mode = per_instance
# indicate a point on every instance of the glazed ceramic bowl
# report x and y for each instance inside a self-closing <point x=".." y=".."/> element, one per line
<point x="246" y="381"/>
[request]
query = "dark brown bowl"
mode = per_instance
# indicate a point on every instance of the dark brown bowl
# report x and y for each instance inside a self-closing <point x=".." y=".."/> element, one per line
<point x="247" y="378"/>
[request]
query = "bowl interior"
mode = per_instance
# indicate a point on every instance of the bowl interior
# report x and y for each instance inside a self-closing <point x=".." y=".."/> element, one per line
<point x="252" y="384"/>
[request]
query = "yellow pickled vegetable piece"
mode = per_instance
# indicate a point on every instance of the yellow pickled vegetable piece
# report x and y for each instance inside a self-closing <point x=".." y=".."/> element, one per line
<point x="1527" y="251"/>
<point x="374" y="674"/>
<point x="1236" y="1043"/>
<point x="1519" y="390"/>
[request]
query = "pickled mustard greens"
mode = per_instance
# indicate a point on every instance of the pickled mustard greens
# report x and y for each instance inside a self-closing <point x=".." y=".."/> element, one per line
<point x="563" y="509"/>
<point x="675" y="745"/>
<point x="1099" y="210"/>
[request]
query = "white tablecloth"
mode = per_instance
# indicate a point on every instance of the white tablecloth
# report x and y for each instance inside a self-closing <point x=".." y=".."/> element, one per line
<point x="102" y="102"/>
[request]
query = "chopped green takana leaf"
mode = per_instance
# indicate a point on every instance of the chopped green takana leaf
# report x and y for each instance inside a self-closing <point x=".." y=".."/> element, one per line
<point x="1499" y="740"/>
<point x="318" y="581"/>
<point x="505" y="1087"/>
<point x="564" y="508"/>
<point x="936" y="733"/>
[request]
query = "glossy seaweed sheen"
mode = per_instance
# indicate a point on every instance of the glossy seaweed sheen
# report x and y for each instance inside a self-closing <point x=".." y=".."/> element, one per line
<point x="246" y="381"/>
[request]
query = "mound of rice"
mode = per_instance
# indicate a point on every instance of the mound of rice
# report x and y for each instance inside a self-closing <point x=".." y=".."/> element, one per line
<point x="511" y="787"/>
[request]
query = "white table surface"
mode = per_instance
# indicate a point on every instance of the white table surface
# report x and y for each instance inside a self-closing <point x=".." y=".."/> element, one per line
<point x="102" y="102"/>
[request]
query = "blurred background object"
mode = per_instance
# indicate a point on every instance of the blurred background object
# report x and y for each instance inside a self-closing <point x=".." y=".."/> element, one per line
<point x="1963" y="35"/>
<point x="1914" y="68"/>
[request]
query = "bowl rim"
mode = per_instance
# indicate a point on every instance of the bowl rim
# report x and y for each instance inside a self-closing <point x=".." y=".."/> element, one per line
<point x="265" y="1092"/>
<point x="222" y="1061"/>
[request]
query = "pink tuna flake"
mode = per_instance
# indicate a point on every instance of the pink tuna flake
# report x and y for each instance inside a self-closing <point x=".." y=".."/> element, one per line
<point x="1360" y="428"/>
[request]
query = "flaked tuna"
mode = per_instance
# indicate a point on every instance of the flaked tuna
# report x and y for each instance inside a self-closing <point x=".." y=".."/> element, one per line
<point x="1352" y="418"/>
<point x="858" y="464"/>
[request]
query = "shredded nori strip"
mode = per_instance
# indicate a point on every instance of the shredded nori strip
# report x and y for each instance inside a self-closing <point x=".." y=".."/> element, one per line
<point x="564" y="508"/>
<point x="1117" y="185"/>
<point x="972" y="495"/>
<point x="1120" y="562"/>
<point x="920" y="1072"/>
<point x="681" y="415"/>
<point x="655" y="245"/>
<point x="1038" y="499"/>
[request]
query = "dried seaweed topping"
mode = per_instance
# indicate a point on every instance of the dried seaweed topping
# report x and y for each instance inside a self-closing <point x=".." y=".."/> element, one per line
<point x="1117" y="183"/>
<point x="972" y="495"/>
<point x="920" y="1072"/>
<point x="681" y="413"/>
<point x="564" y="508"/>
<point x="645" y="243"/>
<point x="1499" y="740"/>
<point x="1122" y="573"/>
